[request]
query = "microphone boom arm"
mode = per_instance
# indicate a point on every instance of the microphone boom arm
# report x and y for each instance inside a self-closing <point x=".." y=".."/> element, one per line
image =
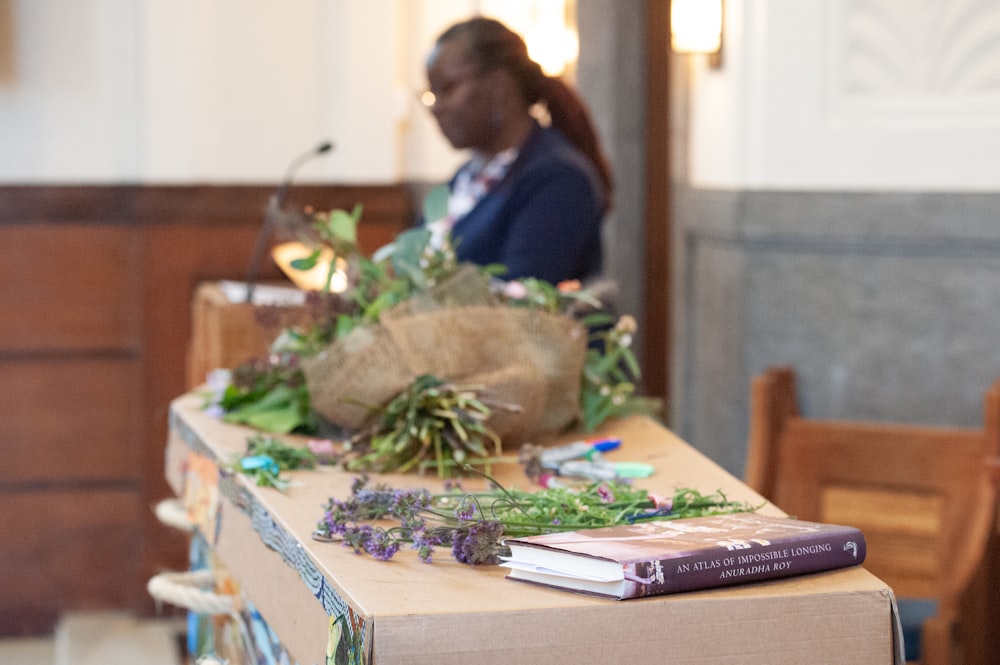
<point x="274" y="211"/>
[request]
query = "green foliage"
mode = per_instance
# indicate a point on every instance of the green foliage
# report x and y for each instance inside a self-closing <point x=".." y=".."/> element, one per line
<point x="607" y="388"/>
<point x="288" y="458"/>
<point x="597" y="504"/>
<point x="434" y="422"/>
<point x="282" y="409"/>
<point x="266" y="457"/>
<point x="394" y="274"/>
<point x="268" y="394"/>
<point x="435" y="205"/>
<point x="339" y="229"/>
<point x="548" y="297"/>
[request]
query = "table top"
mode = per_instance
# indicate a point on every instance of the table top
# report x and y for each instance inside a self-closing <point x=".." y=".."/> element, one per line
<point x="409" y="611"/>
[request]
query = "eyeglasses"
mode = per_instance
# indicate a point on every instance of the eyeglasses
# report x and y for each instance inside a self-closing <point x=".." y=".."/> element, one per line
<point x="431" y="96"/>
<point x="426" y="98"/>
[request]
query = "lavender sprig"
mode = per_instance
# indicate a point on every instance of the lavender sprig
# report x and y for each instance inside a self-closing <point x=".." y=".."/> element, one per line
<point x="474" y="524"/>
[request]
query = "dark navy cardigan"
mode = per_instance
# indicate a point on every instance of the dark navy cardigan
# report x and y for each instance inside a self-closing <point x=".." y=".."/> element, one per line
<point x="543" y="219"/>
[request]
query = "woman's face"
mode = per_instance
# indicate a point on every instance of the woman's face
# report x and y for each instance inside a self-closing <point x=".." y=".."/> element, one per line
<point x="462" y="102"/>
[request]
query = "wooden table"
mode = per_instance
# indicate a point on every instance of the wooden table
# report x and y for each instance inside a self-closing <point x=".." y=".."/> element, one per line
<point x="445" y="612"/>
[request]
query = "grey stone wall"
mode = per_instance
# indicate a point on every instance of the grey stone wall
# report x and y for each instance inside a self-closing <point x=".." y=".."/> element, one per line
<point x="611" y="78"/>
<point x="887" y="304"/>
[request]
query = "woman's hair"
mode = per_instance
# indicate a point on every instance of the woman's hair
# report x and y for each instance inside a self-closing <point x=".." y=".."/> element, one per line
<point x="492" y="45"/>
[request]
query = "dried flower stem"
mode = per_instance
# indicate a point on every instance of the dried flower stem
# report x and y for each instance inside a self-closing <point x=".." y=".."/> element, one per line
<point x="432" y="421"/>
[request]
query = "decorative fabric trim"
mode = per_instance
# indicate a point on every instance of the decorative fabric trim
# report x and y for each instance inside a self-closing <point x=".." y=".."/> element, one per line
<point x="272" y="534"/>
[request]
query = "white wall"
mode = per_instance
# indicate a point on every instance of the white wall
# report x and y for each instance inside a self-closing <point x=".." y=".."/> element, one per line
<point x="69" y="103"/>
<point x="851" y="94"/>
<point x="838" y="213"/>
<point x="165" y="91"/>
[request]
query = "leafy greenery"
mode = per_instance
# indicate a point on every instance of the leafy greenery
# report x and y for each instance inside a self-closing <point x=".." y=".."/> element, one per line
<point x="288" y="458"/>
<point x="269" y="394"/>
<point x="395" y="273"/>
<point x="473" y="523"/>
<point x="553" y="298"/>
<point x="266" y="457"/>
<point x="607" y="389"/>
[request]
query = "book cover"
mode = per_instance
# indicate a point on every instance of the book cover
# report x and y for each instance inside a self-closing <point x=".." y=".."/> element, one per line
<point x="661" y="557"/>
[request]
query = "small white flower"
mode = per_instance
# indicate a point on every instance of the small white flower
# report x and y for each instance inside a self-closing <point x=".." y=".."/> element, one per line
<point x="515" y="290"/>
<point x="626" y="324"/>
<point x="218" y="380"/>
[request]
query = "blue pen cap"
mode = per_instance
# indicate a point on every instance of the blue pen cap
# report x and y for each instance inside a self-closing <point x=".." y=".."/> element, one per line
<point x="604" y="445"/>
<point x="255" y="462"/>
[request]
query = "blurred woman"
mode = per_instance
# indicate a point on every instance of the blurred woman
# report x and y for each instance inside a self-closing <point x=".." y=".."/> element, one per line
<point x="531" y="197"/>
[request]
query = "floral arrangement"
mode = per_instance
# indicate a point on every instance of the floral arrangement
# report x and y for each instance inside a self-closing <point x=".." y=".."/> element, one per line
<point x="473" y="524"/>
<point x="379" y="520"/>
<point x="426" y="418"/>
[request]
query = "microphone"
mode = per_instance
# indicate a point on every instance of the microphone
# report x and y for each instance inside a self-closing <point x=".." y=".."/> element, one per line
<point x="274" y="213"/>
<point x="278" y="198"/>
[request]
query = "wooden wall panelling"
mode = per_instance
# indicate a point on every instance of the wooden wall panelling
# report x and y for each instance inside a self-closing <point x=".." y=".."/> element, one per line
<point x="177" y="258"/>
<point x="69" y="420"/>
<point x="67" y="287"/>
<point x="95" y="291"/>
<point x="69" y="404"/>
<point x="66" y="548"/>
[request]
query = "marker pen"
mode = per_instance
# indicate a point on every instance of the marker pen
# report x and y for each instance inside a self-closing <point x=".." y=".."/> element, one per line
<point x="588" y="448"/>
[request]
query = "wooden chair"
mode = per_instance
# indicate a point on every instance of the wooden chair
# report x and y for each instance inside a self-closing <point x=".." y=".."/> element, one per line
<point x="922" y="495"/>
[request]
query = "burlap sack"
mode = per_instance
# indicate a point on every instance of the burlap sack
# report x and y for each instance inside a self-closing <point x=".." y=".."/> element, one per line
<point x="524" y="357"/>
<point x="355" y="374"/>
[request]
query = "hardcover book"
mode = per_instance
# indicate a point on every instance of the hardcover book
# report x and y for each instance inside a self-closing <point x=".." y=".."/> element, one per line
<point x="661" y="557"/>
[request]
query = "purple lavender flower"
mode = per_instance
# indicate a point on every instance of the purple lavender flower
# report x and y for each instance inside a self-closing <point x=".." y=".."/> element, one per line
<point x="215" y="411"/>
<point x="425" y="540"/>
<point x="357" y="537"/>
<point x="336" y="518"/>
<point x="409" y="505"/>
<point x="466" y="510"/>
<point x="477" y="543"/>
<point x="381" y="544"/>
<point x="374" y="504"/>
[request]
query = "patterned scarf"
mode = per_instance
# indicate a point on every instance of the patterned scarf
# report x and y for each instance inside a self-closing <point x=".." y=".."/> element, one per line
<point x="473" y="182"/>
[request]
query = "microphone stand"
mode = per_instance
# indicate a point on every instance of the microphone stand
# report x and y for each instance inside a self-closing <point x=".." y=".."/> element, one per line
<point x="274" y="213"/>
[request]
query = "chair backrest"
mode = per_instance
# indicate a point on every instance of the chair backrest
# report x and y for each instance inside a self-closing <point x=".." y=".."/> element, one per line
<point x="922" y="495"/>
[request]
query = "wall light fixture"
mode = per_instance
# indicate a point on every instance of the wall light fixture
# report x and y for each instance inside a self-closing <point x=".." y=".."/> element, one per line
<point x="696" y="27"/>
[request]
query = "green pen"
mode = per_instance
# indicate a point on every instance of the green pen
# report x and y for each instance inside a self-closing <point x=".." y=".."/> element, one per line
<point x="633" y="470"/>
